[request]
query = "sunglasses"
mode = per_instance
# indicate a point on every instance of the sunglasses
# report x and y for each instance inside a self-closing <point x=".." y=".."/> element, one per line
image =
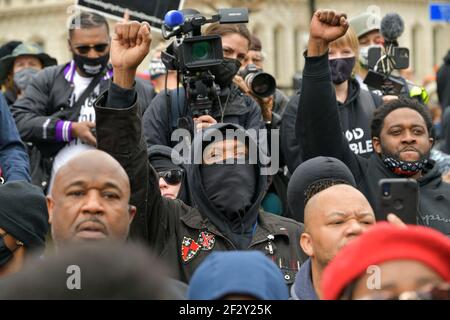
<point x="99" y="48"/>
<point x="171" y="177"/>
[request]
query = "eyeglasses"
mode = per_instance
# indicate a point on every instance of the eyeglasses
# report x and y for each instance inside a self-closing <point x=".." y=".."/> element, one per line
<point x="171" y="177"/>
<point x="84" y="49"/>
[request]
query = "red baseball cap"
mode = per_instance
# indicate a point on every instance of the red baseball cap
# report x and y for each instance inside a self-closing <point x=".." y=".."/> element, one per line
<point x="385" y="242"/>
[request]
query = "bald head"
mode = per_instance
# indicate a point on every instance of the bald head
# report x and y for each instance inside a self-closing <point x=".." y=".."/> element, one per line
<point x="333" y="217"/>
<point x="338" y="198"/>
<point x="89" y="199"/>
<point x="93" y="163"/>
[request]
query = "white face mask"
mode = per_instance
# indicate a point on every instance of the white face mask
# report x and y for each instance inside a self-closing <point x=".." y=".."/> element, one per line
<point x="364" y="55"/>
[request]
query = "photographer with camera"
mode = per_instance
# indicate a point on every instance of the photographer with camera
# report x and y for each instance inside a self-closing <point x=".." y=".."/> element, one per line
<point x="221" y="101"/>
<point x="261" y="86"/>
<point x="400" y="131"/>
<point x="227" y="200"/>
<point x="367" y="28"/>
<point x="382" y="58"/>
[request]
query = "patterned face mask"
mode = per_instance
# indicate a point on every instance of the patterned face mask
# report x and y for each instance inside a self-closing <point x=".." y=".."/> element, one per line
<point x="404" y="168"/>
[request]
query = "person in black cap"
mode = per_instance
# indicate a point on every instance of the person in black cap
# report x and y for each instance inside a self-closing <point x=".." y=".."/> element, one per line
<point x="172" y="177"/>
<point x="23" y="224"/>
<point x="322" y="192"/>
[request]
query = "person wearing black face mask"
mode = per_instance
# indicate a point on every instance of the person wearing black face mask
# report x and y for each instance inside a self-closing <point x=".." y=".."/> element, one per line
<point x="231" y="105"/>
<point x="226" y="196"/>
<point x="23" y="224"/>
<point x="56" y="113"/>
<point x="355" y="105"/>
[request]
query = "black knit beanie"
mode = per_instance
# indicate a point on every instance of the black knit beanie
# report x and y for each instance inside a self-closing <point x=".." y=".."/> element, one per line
<point x="23" y="213"/>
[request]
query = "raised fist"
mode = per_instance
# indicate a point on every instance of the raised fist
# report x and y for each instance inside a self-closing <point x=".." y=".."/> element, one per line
<point x="130" y="45"/>
<point x="328" y="25"/>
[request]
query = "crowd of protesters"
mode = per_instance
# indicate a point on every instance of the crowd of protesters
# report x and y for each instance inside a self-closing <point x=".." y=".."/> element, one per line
<point x="91" y="172"/>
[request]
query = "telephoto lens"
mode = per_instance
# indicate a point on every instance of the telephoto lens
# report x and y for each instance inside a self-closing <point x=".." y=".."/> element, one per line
<point x="260" y="83"/>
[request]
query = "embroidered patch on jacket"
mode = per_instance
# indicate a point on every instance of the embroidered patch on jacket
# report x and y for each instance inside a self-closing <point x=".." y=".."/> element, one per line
<point x="189" y="249"/>
<point x="206" y="240"/>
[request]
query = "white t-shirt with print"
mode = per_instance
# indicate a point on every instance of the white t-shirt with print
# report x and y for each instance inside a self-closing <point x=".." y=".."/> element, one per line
<point x="87" y="113"/>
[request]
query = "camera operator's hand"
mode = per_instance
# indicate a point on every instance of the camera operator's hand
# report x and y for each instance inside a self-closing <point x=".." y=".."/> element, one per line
<point x="204" y="122"/>
<point x="129" y="46"/>
<point x="446" y="177"/>
<point x="326" y="26"/>
<point x="266" y="105"/>
<point x="83" y="131"/>
<point x="240" y="82"/>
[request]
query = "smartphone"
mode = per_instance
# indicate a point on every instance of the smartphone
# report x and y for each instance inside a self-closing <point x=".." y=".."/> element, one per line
<point x="400" y="197"/>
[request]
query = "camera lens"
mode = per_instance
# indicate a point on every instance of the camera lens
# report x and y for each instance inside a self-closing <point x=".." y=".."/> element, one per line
<point x="263" y="84"/>
<point x="201" y="50"/>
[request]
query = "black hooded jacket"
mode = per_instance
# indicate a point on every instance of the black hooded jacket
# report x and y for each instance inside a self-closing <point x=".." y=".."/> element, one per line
<point x="318" y="127"/>
<point x="354" y="116"/>
<point x="183" y="235"/>
<point x="443" y="82"/>
<point x="238" y="226"/>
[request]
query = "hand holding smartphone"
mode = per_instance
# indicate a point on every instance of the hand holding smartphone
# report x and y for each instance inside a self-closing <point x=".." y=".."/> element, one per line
<point x="400" y="197"/>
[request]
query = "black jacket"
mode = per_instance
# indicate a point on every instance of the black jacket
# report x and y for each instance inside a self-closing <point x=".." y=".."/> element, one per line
<point x="240" y="109"/>
<point x="443" y="82"/>
<point x="46" y="101"/>
<point x="179" y="233"/>
<point x="318" y="127"/>
<point x="354" y="116"/>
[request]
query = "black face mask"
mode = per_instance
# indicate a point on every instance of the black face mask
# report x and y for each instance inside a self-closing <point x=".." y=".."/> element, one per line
<point x="91" y="66"/>
<point x="5" y="253"/>
<point x="230" y="187"/>
<point x="341" y="69"/>
<point x="225" y="72"/>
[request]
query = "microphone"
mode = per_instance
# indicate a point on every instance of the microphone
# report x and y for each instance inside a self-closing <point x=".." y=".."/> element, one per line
<point x="392" y="27"/>
<point x="173" y="18"/>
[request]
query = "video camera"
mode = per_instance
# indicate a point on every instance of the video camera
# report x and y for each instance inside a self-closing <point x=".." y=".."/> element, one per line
<point x="193" y="55"/>
<point x="383" y="61"/>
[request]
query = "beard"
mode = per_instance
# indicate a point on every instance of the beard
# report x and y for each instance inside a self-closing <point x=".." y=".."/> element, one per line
<point x="397" y="155"/>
